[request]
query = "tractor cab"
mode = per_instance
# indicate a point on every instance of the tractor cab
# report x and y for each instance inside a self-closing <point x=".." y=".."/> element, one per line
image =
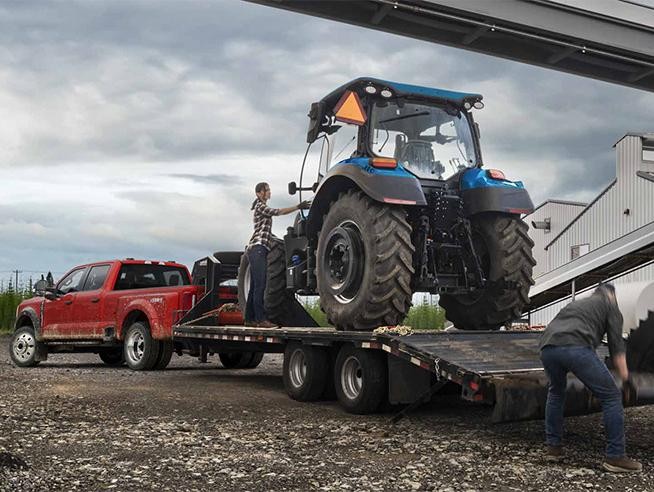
<point x="427" y="132"/>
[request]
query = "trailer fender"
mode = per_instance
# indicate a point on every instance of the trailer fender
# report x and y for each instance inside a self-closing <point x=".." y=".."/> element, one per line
<point x="395" y="186"/>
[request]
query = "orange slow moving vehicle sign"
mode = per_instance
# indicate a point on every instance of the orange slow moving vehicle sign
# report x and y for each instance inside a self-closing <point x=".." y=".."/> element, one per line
<point x="349" y="109"/>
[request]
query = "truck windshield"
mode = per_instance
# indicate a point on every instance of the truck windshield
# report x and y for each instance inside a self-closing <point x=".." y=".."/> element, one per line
<point x="146" y="276"/>
<point x="426" y="140"/>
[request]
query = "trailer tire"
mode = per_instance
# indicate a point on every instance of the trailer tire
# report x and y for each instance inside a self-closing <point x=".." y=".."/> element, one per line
<point x="364" y="263"/>
<point x="306" y="371"/>
<point x="277" y="299"/>
<point x="23" y="347"/>
<point x="165" y="354"/>
<point x="112" y="357"/>
<point x="240" y="360"/>
<point x="505" y="250"/>
<point x="141" y="351"/>
<point x="361" y="379"/>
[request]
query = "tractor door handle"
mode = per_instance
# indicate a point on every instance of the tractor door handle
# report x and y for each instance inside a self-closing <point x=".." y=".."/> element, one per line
<point x="95" y="299"/>
<point x="68" y="302"/>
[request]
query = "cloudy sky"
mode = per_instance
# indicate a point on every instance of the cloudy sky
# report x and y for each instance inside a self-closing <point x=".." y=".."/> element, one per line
<point x="139" y="128"/>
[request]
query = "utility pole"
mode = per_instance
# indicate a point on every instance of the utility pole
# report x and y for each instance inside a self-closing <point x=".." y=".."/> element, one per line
<point x="16" y="284"/>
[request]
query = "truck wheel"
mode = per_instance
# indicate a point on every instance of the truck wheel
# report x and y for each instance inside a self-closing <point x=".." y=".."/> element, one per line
<point x="364" y="263"/>
<point x="257" y="357"/>
<point x="165" y="354"/>
<point x="306" y="371"/>
<point x="504" y="248"/>
<point x="236" y="360"/>
<point x="23" y="347"/>
<point x="277" y="300"/>
<point x="112" y="357"/>
<point x="141" y="351"/>
<point x="361" y="379"/>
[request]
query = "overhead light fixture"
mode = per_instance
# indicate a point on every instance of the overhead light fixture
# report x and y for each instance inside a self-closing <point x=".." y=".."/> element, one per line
<point x="386" y="93"/>
<point x="371" y="89"/>
<point x="478" y="105"/>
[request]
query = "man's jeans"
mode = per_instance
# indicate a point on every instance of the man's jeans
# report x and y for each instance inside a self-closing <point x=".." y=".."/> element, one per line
<point x="258" y="260"/>
<point x="584" y="363"/>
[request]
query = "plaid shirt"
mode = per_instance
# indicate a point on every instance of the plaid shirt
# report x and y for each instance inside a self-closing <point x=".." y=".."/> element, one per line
<point x="262" y="224"/>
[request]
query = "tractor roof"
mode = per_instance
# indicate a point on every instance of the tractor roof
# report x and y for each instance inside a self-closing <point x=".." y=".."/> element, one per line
<point x="403" y="90"/>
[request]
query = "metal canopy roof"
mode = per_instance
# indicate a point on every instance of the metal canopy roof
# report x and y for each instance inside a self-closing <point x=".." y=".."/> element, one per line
<point x="610" y="40"/>
<point x="615" y="258"/>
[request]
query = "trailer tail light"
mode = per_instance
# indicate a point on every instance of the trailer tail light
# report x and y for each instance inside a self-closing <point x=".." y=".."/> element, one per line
<point x="473" y="385"/>
<point x="496" y="174"/>
<point x="384" y="163"/>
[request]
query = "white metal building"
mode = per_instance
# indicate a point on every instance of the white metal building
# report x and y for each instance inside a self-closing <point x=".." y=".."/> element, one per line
<point x="564" y="231"/>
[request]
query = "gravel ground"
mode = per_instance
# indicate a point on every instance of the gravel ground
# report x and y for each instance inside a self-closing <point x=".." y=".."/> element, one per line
<point x="74" y="424"/>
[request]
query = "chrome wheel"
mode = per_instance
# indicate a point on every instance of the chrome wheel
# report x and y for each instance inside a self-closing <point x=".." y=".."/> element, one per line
<point x="297" y="368"/>
<point x="135" y="346"/>
<point x="24" y="347"/>
<point x="351" y="378"/>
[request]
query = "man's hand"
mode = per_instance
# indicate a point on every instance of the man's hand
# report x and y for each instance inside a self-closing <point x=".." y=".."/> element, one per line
<point x="620" y="364"/>
<point x="304" y="205"/>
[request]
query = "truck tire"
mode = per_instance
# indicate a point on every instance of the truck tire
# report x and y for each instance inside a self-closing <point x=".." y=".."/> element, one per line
<point x="361" y="379"/>
<point x="165" y="354"/>
<point x="112" y="357"/>
<point x="505" y="251"/>
<point x="141" y="351"/>
<point x="277" y="300"/>
<point x="23" y="347"/>
<point x="240" y="360"/>
<point x="306" y="371"/>
<point x="364" y="263"/>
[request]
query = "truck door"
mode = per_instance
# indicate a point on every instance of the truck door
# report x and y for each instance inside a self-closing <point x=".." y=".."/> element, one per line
<point x="58" y="313"/>
<point x="88" y="312"/>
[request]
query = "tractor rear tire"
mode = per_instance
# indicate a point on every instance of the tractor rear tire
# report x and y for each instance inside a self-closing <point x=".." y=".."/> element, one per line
<point x="364" y="263"/>
<point x="277" y="299"/>
<point x="505" y="251"/>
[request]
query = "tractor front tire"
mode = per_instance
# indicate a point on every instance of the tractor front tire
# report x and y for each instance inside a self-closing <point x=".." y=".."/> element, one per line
<point x="364" y="263"/>
<point x="505" y="251"/>
<point x="277" y="299"/>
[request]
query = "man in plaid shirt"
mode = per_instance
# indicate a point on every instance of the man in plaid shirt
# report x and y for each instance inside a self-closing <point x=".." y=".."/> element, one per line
<point x="257" y="252"/>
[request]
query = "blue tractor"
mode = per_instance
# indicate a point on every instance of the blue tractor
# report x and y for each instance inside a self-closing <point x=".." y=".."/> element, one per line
<point x="403" y="204"/>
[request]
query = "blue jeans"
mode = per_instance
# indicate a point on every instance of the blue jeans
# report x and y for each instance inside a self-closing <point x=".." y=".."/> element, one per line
<point x="584" y="363"/>
<point x="258" y="260"/>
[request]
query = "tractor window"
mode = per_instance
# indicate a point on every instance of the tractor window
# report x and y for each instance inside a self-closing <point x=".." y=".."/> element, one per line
<point x="426" y="140"/>
<point x="342" y="144"/>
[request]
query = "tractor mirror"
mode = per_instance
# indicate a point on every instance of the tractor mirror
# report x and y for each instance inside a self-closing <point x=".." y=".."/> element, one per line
<point x="314" y="186"/>
<point x="315" y="119"/>
<point x="292" y="188"/>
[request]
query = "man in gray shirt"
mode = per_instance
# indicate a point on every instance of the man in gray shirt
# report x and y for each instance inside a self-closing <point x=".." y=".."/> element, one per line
<point x="568" y="345"/>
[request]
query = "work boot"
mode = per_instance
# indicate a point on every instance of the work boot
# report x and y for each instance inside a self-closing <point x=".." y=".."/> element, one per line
<point x="554" y="453"/>
<point x="621" y="465"/>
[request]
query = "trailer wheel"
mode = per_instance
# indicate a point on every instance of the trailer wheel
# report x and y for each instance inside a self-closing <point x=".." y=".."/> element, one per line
<point x="277" y="300"/>
<point x="165" y="354"/>
<point x="112" y="357"/>
<point x="361" y="379"/>
<point x="504" y="248"/>
<point x="364" y="263"/>
<point x="140" y="349"/>
<point x="240" y="360"/>
<point x="306" y="371"/>
<point x="23" y="347"/>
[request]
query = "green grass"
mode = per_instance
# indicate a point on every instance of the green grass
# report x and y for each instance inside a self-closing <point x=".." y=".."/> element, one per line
<point x="421" y="317"/>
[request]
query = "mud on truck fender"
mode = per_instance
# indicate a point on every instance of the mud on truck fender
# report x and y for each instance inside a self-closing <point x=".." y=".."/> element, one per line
<point x="28" y="316"/>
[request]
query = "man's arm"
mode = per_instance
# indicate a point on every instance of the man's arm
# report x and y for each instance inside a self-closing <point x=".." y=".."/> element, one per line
<point x="616" y="342"/>
<point x="620" y="365"/>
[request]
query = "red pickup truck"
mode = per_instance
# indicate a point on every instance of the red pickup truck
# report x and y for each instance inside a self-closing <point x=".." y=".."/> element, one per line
<point x="123" y="310"/>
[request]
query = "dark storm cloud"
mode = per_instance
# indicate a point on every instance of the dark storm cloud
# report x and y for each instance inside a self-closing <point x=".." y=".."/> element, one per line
<point x="114" y="84"/>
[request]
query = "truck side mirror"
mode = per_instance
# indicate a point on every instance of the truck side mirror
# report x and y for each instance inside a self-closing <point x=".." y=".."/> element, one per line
<point x="292" y="188"/>
<point x="50" y="296"/>
<point x="39" y="287"/>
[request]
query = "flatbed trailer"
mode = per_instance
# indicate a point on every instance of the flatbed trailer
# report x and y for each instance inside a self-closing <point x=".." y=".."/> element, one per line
<point x="500" y="368"/>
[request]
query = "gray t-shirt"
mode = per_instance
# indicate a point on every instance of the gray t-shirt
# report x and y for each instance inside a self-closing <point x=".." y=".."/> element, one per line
<point x="584" y="323"/>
